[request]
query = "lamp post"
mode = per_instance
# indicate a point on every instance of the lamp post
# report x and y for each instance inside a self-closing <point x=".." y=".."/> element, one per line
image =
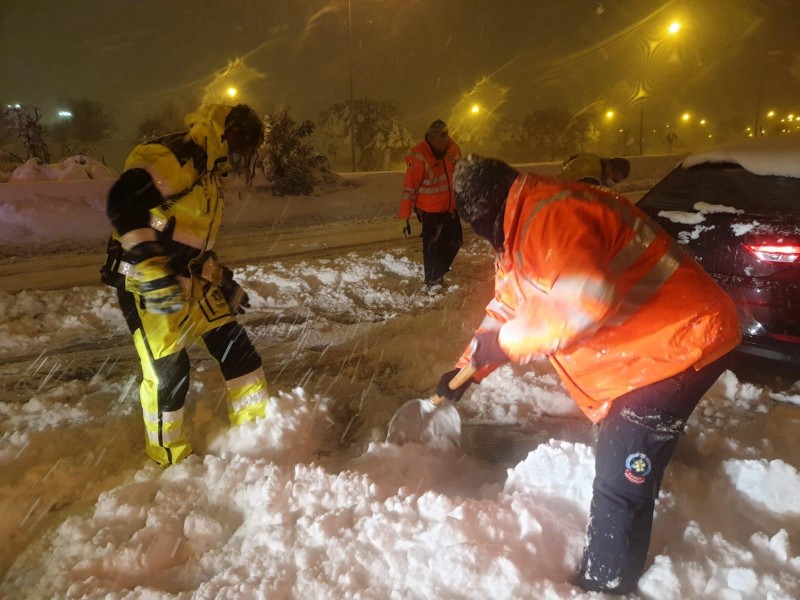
<point x="757" y="131"/>
<point x="772" y="54"/>
<point x="350" y="69"/>
<point x="672" y="30"/>
<point x="641" y="122"/>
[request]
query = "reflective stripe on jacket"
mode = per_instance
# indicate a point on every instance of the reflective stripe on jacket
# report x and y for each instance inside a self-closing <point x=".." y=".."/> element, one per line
<point x="428" y="184"/>
<point x="591" y="282"/>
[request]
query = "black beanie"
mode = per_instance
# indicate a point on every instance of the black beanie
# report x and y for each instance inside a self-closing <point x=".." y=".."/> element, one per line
<point x="481" y="186"/>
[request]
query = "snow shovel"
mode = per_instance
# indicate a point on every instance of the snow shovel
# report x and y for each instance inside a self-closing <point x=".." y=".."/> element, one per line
<point x="429" y="420"/>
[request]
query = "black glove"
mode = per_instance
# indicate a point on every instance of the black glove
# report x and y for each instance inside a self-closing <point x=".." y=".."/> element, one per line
<point x="233" y="293"/>
<point x="152" y="278"/>
<point x="444" y="390"/>
<point x="407" y="229"/>
<point x="486" y="350"/>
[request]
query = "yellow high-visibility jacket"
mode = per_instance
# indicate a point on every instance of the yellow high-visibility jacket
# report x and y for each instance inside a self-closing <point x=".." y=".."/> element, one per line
<point x="583" y="167"/>
<point x="186" y="169"/>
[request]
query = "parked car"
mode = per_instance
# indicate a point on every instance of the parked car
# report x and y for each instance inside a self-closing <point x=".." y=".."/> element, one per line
<point x="737" y="210"/>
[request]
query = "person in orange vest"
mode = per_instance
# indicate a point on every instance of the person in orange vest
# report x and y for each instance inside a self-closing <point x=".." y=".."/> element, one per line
<point x="635" y="328"/>
<point x="428" y="192"/>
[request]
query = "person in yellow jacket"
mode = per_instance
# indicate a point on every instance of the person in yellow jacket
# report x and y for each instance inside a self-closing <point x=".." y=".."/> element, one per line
<point x="635" y="328"/>
<point x="166" y="210"/>
<point x="591" y="168"/>
<point x="428" y="192"/>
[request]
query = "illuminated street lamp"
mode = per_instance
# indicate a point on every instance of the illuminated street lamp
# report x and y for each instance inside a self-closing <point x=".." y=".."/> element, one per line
<point x="475" y="109"/>
<point x="232" y="92"/>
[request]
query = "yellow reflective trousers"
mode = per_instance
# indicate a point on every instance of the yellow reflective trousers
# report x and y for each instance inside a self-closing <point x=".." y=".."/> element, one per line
<point x="161" y="342"/>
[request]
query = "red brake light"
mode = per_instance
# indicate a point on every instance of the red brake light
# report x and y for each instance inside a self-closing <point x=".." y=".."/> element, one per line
<point x="779" y="254"/>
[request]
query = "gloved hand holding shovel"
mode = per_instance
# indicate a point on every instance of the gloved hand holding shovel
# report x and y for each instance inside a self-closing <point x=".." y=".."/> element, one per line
<point x="421" y="421"/>
<point x="431" y="420"/>
<point x="486" y="350"/>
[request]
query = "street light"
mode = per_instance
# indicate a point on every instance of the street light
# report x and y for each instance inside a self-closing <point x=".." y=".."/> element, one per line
<point x="672" y="30"/>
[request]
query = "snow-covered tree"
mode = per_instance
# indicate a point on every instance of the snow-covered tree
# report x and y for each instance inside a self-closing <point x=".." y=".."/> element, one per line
<point x="289" y="159"/>
<point x="380" y="138"/>
<point x="556" y="132"/>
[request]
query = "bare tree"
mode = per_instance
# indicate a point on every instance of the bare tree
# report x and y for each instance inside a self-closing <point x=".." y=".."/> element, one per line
<point x="556" y="132"/>
<point x="90" y="121"/>
<point x="24" y="122"/>
<point x="169" y="119"/>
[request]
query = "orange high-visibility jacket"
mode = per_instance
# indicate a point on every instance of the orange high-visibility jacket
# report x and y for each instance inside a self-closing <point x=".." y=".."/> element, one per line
<point x="428" y="184"/>
<point x="591" y="282"/>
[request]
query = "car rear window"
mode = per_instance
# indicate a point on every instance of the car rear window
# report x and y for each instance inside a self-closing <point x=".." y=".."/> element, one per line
<point x="726" y="184"/>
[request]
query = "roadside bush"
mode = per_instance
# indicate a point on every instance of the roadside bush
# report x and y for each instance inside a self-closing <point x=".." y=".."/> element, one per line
<point x="290" y="163"/>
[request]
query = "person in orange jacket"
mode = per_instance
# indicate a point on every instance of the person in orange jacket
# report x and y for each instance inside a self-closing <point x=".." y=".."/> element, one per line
<point x="428" y="191"/>
<point x="635" y="328"/>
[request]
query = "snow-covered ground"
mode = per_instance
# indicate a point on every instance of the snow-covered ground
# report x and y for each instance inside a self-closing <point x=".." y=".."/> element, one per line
<point x="311" y="503"/>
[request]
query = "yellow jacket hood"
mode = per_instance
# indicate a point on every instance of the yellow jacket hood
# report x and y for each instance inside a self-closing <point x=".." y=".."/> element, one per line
<point x="206" y="128"/>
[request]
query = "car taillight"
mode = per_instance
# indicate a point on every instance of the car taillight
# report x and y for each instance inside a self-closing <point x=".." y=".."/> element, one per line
<point x="775" y="253"/>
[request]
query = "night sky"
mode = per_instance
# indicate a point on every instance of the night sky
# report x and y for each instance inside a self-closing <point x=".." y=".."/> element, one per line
<point x="425" y="55"/>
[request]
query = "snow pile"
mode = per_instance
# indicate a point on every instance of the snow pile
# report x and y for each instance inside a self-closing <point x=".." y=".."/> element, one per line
<point x="72" y="168"/>
<point x="770" y="155"/>
<point x="310" y="502"/>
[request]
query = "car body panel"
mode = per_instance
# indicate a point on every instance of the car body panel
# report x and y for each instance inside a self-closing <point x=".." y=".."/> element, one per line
<point x="716" y="210"/>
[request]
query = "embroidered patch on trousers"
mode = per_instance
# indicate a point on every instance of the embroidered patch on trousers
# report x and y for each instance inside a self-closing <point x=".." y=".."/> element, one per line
<point x="637" y="467"/>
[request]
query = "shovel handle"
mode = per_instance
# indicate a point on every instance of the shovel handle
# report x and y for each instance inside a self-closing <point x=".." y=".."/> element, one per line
<point x="456" y="382"/>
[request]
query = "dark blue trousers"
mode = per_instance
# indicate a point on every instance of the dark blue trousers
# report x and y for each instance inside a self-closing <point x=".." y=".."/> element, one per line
<point x="635" y="444"/>
<point x="441" y="239"/>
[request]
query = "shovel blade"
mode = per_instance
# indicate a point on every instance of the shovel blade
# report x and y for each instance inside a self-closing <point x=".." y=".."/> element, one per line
<point x="423" y="422"/>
